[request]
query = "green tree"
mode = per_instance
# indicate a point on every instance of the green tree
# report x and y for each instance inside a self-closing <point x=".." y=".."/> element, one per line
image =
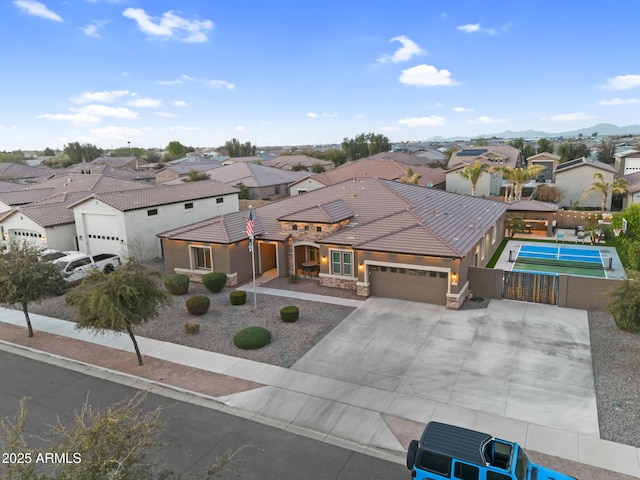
<point x="122" y="442"/>
<point x="624" y="303"/>
<point x="570" y="150"/>
<point x="317" y="168"/>
<point x="410" y="177"/>
<point x="517" y="143"/>
<point x="176" y="150"/>
<point x="517" y="177"/>
<point x="119" y="301"/>
<point x="195" y="176"/>
<point x="298" y="167"/>
<point x="234" y="148"/>
<point x="450" y="151"/>
<point x="607" y="152"/>
<point x="81" y="153"/>
<point x="365" y="145"/>
<point x="545" y="145"/>
<point x="473" y="174"/>
<point x="26" y="279"/>
<point x="528" y="151"/>
<point x="336" y="156"/>
<point x="48" y="152"/>
<point x="617" y="187"/>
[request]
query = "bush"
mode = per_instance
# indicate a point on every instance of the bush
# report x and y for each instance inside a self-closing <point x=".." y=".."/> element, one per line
<point x="192" y="328"/>
<point x="293" y="278"/>
<point x="198" y="304"/>
<point x="214" y="281"/>
<point x="239" y="297"/>
<point x="289" y="314"/>
<point x="624" y="304"/>
<point x="177" y="283"/>
<point x="252" y="338"/>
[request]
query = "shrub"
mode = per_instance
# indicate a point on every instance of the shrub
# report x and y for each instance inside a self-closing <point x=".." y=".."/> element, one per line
<point x="239" y="297"/>
<point x="293" y="278"/>
<point x="214" y="281"/>
<point x="252" y="338"/>
<point x="192" y="328"/>
<point x="177" y="283"/>
<point x="289" y="314"/>
<point x="624" y="304"/>
<point x="198" y="304"/>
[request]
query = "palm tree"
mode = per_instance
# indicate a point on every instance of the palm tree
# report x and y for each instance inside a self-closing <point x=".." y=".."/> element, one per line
<point x="194" y="176"/>
<point x="410" y="177"/>
<point x="517" y="177"/>
<point x="473" y="174"/>
<point x="619" y="186"/>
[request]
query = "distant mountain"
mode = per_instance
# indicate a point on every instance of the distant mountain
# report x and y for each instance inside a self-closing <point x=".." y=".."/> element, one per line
<point x="601" y="129"/>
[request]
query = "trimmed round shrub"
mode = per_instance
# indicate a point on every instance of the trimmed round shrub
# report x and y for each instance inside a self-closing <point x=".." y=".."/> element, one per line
<point x="177" y="283"/>
<point x="252" y="338"/>
<point x="192" y="328"/>
<point x="289" y="314"/>
<point x="214" y="281"/>
<point x="239" y="297"/>
<point x="198" y="304"/>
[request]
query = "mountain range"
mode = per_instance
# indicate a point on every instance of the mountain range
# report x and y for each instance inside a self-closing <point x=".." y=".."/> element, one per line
<point x="602" y="129"/>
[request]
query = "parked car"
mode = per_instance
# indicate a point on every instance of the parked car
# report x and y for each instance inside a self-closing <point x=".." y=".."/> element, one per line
<point x="446" y="451"/>
<point x="79" y="265"/>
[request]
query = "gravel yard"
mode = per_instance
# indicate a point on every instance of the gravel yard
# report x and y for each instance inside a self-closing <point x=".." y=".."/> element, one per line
<point x="615" y="354"/>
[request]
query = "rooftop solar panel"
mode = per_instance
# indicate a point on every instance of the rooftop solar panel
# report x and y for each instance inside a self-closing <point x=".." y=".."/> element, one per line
<point x="472" y="152"/>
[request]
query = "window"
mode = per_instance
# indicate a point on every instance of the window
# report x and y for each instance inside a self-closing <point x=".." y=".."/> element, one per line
<point x="278" y="190"/>
<point x="465" y="472"/>
<point x="494" y="233"/>
<point x="318" y="229"/>
<point x="151" y="212"/>
<point x="189" y="205"/>
<point x="220" y="200"/>
<point x="306" y="228"/>
<point x="483" y="247"/>
<point x="342" y="263"/>
<point x="435" y="463"/>
<point x="201" y="258"/>
<point x="294" y="227"/>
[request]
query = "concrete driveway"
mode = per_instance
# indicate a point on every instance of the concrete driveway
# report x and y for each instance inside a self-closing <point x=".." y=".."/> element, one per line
<point x="524" y="361"/>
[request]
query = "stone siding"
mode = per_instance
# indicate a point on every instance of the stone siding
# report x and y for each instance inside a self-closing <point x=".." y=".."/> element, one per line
<point x="196" y="276"/>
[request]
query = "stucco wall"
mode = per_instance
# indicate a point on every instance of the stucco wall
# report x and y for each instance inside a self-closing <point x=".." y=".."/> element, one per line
<point x="306" y="184"/>
<point x="574" y="181"/>
<point x="457" y="184"/>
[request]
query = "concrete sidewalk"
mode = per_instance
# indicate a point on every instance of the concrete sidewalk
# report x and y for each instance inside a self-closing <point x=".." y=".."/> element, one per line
<point x="357" y="389"/>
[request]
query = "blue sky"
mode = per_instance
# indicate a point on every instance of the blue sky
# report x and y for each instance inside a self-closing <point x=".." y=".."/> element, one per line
<point x="109" y="72"/>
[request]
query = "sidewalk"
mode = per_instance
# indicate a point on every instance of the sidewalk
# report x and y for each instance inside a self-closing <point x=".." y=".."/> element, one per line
<point x="366" y="419"/>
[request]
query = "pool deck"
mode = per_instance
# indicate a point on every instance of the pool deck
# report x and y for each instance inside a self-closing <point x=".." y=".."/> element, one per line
<point x="616" y="273"/>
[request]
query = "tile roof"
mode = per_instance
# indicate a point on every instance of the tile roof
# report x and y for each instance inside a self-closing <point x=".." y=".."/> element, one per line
<point x="118" y="161"/>
<point x="162" y="195"/>
<point x="54" y="210"/>
<point x="400" y="157"/>
<point x="387" y="216"/>
<point x="633" y="180"/>
<point x="330" y="212"/>
<point x="255" y="175"/>
<point x="582" y="162"/>
<point x="104" y="169"/>
<point x="15" y="171"/>
<point x="287" y="161"/>
<point x="533" y="206"/>
<point x="225" y="229"/>
<point x="489" y="154"/>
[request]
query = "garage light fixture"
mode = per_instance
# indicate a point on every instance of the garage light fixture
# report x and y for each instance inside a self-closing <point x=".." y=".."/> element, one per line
<point x="454" y="278"/>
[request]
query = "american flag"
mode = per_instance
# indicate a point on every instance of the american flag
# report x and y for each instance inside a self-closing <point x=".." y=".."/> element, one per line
<point x="250" y="224"/>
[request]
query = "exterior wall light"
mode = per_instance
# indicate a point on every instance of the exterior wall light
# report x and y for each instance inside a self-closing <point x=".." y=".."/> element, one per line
<point x="454" y="279"/>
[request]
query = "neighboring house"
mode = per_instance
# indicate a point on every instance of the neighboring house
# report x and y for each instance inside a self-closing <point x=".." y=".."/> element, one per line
<point x="6" y="186"/>
<point x="143" y="175"/>
<point x="489" y="184"/>
<point x="633" y="189"/>
<point x="232" y="160"/>
<point x="382" y="168"/>
<point x="547" y="160"/>
<point x="403" y="157"/>
<point x="40" y="212"/>
<point x="134" y="163"/>
<point x="16" y="173"/>
<point x="288" y="162"/>
<point x="126" y="223"/>
<point x="182" y="170"/>
<point x="373" y="236"/>
<point x="576" y="176"/>
<point x="627" y="162"/>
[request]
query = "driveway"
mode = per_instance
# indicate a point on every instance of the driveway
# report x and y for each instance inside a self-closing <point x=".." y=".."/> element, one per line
<point x="524" y="361"/>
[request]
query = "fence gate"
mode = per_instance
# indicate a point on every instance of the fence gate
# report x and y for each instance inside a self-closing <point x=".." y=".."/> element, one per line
<point x="530" y="287"/>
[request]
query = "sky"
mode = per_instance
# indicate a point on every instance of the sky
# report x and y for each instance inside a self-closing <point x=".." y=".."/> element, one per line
<point x="143" y="73"/>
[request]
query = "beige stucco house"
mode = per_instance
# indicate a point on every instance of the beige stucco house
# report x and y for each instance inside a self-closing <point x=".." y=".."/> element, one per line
<point x="576" y="176"/>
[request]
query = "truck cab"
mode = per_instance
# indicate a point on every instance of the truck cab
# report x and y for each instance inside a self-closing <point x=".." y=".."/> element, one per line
<point x="450" y="452"/>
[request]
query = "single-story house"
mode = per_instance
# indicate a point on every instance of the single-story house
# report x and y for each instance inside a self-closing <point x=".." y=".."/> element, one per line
<point x="288" y="162"/>
<point x="182" y="170"/>
<point x="134" y="163"/>
<point x="381" y="168"/>
<point x="576" y="176"/>
<point x="15" y="172"/>
<point x="370" y="235"/>
<point x="126" y="223"/>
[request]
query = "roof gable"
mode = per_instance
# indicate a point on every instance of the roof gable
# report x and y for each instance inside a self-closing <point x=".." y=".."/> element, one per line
<point x="330" y="212"/>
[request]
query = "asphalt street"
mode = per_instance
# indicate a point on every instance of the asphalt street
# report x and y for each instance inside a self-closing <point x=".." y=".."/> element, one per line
<point x="197" y="435"/>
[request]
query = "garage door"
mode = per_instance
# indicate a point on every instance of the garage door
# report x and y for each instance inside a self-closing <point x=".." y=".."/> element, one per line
<point x="408" y="284"/>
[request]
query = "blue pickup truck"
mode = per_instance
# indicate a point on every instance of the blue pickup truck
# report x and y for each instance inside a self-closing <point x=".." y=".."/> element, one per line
<point x="449" y="452"/>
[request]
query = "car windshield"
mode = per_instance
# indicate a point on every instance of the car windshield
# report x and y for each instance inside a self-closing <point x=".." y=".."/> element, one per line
<point x="522" y="465"/>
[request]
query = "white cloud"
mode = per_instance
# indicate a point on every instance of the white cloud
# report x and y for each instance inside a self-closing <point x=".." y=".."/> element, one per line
<point x="312" y="115"/>
<point x="569" y="117"/>
<point x="105" y="111"/>
<point x="106" y="96"/>
<point x="487" y="120"/>
<point x="31" y="7"/>
<point x="92" y="29"/>
<point x="360" y="116"/>
<point x="221" y="84"/>
<point x="239" y="128"/>
<point x="164" y="114"/>
<point x="426" y="76"/>
<point x="623" y="82"/>
<point x="80" y="119"/>
<point x="408" y="50"/>
<point x="170" y="26"/>
<point x="179" y="103"/>
<point x="115" y="134"/>
<point x="432" y="121"/>
<point x="619" y="101"/>
<point x="145" y="102"/>
<point x="470" y="27"/>
<point x="462" y="109"/>
<point x="170" y="82"/>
